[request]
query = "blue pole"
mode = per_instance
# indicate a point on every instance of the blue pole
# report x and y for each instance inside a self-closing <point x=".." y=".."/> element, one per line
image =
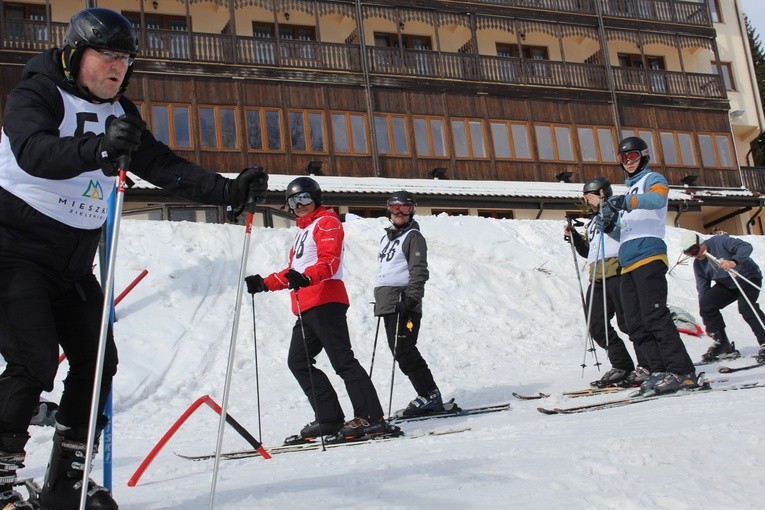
<point x="107" y="445"/>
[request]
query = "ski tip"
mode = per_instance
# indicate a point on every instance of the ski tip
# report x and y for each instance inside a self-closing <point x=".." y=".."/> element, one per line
<point x="724" y="370"/>
<point x="544" y="410"/>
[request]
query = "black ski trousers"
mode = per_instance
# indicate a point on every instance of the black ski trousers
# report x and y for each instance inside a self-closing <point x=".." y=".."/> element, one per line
<point x="325" y="327"/>
<point x="617" y="351"/>
<point x="39" y="312"/>
<point x="409" y="359"/>
<point x="649" y="323"/>
<point x="720" y="296"/>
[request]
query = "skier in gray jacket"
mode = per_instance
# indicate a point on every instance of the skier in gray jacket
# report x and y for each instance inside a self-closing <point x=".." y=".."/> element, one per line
<point x="399" y="289"/>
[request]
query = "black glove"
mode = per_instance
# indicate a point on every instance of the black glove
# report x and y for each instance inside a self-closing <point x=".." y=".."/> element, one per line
<point x="296" y="280"/>
<point x="616" y="203"/>
<point x="122" y="137"/>
<point x="255" y="284"/>
<point x="406" y="305"/>
<point x="251" y="182"/>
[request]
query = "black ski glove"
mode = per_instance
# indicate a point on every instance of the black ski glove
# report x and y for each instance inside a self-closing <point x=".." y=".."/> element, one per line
<point x="251" y="181"/>
<point x="255" y="284"/>
<point x="122" y="137"/>
<point x="406" y="305"/>
<point x="296" y="280"/>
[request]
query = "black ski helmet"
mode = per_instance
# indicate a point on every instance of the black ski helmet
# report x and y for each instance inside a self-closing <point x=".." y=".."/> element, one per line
<point x="403" y="197"/>
<point x="597" y="184"/>
<point x="304" y="185"/>
<point x="634" y="143"/>
<point x="98" y="28"/>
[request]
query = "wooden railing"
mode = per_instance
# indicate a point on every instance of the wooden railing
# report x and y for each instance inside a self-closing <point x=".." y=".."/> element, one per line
<point x="650" y="81"/>
<point x="754" y="178"/>
<point x="669" y="11"/>
<point x="320" y="56"/>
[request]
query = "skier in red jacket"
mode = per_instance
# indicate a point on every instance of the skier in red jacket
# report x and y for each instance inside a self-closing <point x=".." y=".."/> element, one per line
<point x="320" y="301"/>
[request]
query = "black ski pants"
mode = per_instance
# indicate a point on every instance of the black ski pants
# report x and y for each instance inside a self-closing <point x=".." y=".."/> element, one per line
<point x="325" y="327"/>
<point x="720" y="296"/>
<point x="409" y="359"/>
<point x="649" y="323"/>
<point x="615" y="348"/>
<point x="39" y="312"/>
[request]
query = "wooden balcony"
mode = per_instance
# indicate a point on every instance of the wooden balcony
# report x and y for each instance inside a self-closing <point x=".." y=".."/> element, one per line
<point x="754" y="178"/>
<point x="321" y="57"/>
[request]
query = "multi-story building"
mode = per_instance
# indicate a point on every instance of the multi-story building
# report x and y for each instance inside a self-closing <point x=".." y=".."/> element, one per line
<point x="482" y="106"/>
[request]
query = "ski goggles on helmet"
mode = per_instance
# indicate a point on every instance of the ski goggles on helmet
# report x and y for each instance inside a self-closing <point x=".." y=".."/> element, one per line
<point x="400" y="209"/>
<point x="630" y="157"/>
<point x="297" y="199"/>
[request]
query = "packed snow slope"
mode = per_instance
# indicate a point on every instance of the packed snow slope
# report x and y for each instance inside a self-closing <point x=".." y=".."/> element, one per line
<point x="502" y="314"/>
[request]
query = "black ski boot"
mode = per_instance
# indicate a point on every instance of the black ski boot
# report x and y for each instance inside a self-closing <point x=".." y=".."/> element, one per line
<point x="63" y="479"/>
<point x="325" y="428"/>
<point x="610" y="378"/>
<point x="721" y="347"/>
<point x="761" y="354"/>
<point x="12" y="458"/>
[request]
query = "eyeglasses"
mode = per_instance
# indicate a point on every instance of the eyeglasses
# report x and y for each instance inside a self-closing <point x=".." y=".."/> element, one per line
<point x="630" y="157"/>
<point x="304" y="198"/>
<point x="111" y="56"/>
<point x="400" y="209"/>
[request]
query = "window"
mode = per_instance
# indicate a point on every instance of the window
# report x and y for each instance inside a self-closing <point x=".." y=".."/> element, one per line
<point x="171" y="125"/>
<point x="499" y="214"/>
<point x="25" y="21"/>
<point x="349" y="131"/>
<point x="677" y="148"/>
<point x="554" y="142"/>
<point x="714" y="9"/>
<point x="391" y="135"/>
<point x="218" y="127"/>
<point x="468" y="138"/>
<point x="264" y="130"/>
<point x="716" y="150"/>
<point x="166" y="35"/>
<point x="307" y="131"/>
<point x="597" y="144"/>
<point x="727" y="73"/>
<point x="429" y="136"/>
<point x="511" y="140"/>
<point x="647" y="137"/>
<point x="414" y="42"/>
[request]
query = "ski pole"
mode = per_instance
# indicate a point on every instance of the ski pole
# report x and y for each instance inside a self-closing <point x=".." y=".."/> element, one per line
<point x="250" y="206"/>
<point x="738" y="285"/>
<point x="257" y="377"/>
<point x="603" y="278"/>
<point x="393" y="369"/>
<point x="374" y="347"/>
<point x="732" y="272"/>
<point x="576" y="265"/>
<point x="310" y="368"/>
<point x="106" y="313"/>
<point x="589" y="313"/>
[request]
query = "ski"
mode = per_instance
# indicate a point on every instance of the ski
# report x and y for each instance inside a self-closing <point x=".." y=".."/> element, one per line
<point x="587" y="392"/>
<point x="530" y="397"/>
<point x="315" y="444"/>
<point x="33" y="489"/>
<point x="728" y="370"/>
<point x="450" y="410"/>
<point x="725" y="357"/>
<point x="638" y="399"/>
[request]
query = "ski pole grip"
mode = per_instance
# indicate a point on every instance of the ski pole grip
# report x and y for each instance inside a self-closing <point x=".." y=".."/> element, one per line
<point x="123" y="162"/>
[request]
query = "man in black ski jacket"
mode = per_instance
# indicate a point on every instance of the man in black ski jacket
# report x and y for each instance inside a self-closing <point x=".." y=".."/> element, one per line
<point x="399" y="289"/>
<point x="66" y="130"/>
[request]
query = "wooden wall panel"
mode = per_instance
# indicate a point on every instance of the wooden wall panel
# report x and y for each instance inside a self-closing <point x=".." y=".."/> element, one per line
<point x="710" y="121"/>
<point x="347" y="98"/>
<point x="398" y="168"/>
<point x="550" y="111"/>
<point x="465" y="106"/>
<point x="350" y="166"/>
<point x="261" y="94"/>
<point x="473" y="170"/>
<point x="389" y="101"/>
<point x="636" y="116"/>
<point x="427" y="104"/>
<point x="516" y="171"/>
<point x="303" y="96"/>
<point x="506" y="109"/>
<point x="591" y="113"/>
<point x="210" y="91"/>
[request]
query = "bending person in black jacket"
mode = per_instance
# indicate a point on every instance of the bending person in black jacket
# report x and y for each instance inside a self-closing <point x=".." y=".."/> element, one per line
<point x="735" y="254"/>
<point x="399" y="289"/>
<point x="66" y="126"/>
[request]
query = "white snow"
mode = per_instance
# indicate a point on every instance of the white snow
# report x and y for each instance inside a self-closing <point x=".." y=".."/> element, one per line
<point x="502" y="314"/>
